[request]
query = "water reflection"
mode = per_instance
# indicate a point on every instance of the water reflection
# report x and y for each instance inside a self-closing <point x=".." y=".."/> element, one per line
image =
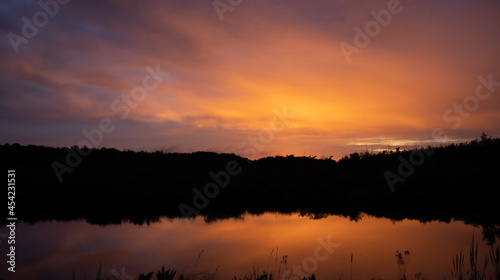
<point x="51" y="250"/>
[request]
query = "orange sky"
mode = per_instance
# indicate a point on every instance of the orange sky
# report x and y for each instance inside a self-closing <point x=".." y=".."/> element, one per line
<point x="227" y="77"/>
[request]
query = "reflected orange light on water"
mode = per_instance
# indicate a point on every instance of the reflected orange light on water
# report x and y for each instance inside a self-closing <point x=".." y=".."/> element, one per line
<point x="234" y="247"/>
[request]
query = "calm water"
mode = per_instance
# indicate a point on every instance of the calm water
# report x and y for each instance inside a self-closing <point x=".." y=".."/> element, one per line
<point x="233" y="247"/>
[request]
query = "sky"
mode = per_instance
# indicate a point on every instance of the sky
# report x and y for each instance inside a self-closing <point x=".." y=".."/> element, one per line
<point x="255" y="78"/>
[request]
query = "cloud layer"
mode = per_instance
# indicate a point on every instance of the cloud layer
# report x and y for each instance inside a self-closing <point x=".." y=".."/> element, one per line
<point x="227" y="77"/>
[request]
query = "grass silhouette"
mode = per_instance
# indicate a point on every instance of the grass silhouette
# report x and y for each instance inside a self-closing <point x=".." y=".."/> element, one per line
<point x="457" y="270"/>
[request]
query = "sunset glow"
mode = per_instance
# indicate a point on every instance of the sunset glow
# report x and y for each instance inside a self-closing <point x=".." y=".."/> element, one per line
<point x="227" y="78"/>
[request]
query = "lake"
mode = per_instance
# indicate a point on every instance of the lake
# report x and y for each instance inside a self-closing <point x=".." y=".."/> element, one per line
<point x="235" y="247"/>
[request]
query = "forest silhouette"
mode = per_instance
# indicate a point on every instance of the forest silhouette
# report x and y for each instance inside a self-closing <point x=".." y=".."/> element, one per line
<point x="455" y="182"/>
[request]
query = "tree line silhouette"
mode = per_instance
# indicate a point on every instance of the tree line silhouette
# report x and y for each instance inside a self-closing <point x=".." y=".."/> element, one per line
<point x="458" y="181"/>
